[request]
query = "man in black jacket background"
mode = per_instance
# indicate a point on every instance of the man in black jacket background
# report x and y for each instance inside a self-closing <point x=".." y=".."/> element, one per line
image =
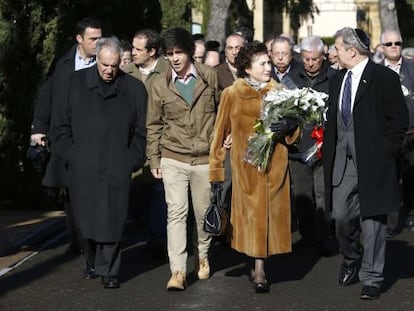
<point x="307" y="178"/>
<point x="392" y="42"/>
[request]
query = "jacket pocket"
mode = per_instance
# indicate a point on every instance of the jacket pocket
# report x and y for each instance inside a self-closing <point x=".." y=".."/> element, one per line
<point x="173" y="108"/>
<point x="208" y="99"/>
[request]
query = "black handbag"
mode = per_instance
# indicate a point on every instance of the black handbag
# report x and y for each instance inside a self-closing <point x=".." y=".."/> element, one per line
<point x="39" y="155"/>
<point x="216" y="217"/>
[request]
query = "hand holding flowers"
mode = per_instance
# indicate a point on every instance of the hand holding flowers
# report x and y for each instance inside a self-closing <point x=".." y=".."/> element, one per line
<point x="281" y="107"/>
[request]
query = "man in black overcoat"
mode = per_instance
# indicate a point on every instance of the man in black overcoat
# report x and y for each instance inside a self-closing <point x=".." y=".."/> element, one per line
<point x="367" y="119"/>
<point x="307" y="181"/>
<point x="82" y="55"/>
<point x="100" y="132"/>
<point x="391" y="42"/>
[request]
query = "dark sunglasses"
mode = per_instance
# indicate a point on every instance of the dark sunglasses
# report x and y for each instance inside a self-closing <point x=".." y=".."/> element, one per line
<point x="398" y="43"/>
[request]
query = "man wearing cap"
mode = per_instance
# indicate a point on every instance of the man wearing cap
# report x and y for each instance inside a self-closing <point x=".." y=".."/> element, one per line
<point x="367" y="119"/>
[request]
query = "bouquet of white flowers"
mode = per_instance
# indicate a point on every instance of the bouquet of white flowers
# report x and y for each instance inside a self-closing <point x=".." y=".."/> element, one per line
<point x="301" y="105"/>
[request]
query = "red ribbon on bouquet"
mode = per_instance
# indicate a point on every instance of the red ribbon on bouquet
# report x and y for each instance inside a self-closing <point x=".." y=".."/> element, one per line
<point x="317" y="134"/>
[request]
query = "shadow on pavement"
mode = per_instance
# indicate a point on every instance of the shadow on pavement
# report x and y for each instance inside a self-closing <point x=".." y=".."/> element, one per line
<point x="136" y="259"/>
<point x="24" y="277"/>
<point x="399" y="263"/>
<point x="279" y="268"/>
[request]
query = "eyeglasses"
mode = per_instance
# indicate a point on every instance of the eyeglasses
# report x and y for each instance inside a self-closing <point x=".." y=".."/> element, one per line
<point x="388" y="44"/>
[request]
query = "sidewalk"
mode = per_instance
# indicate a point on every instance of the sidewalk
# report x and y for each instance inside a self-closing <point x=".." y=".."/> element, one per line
<point x="21" y="232"/>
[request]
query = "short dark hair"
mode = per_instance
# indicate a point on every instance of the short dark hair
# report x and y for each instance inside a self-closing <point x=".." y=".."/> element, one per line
<point x="198" y="36"/>
<point x="244" y="58"/>
<point x="153" y="39"/>
<point x="178" y="38"/>
<point x="87" y="22"/>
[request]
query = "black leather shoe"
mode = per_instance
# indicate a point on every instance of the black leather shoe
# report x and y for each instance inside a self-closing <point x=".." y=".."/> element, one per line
<point x="370" y="292"/>
<point x="262" y="287"/>
<point x="347" y="274"/>
<point x="110" y="282"/>
<point x="89" y="272"/>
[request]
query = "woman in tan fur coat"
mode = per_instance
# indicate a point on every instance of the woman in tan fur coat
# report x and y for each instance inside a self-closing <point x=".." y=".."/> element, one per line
<point x="260" y="208"/>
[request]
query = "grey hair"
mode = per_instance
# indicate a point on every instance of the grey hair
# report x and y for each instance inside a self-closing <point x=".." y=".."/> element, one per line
<point x="390" y="32"/>
<point x="351" y="38"/>
<point x="281" y="39"/>
<point x="111" y="43"/>
<point x="311" y="44"/>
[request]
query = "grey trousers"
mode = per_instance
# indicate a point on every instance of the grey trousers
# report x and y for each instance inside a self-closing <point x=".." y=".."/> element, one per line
<point x="350" y="227"/>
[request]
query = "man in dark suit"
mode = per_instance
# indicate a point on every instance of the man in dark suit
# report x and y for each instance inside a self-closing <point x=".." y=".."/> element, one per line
<point x="81" y="55"/>
<point x="367" y="119"/>
<point x="100" y="132"/>
<point x="391" y="42"/>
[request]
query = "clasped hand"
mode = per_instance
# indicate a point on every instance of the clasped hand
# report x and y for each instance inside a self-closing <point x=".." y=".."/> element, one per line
<point x="283" y="127"/>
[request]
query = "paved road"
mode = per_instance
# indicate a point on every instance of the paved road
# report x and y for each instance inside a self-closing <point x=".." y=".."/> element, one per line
<point x="300" y="281"/>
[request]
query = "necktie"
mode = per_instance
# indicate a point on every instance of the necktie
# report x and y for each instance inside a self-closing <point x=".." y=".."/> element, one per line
<point x="346" y="98"/>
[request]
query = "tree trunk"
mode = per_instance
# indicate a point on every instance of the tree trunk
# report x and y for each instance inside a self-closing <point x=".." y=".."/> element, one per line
<point x="219" y="11"/>
<point x="388" y="15"/>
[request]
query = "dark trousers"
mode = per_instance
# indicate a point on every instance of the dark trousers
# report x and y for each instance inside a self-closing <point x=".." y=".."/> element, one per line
<point x="308" y="202"/>
<point x="303" y="203"/>
<point x="408" y="190"/>
<point x="398" y="220"/>
<point x="323" y="220"/>
<point x="104" y="257"/>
